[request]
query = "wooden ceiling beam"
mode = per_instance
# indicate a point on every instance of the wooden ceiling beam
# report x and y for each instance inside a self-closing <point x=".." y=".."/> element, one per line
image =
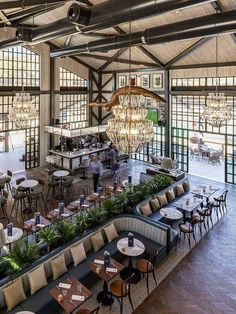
<point x="146" y="52"/>
<point x="5" y="19"/>
<point x="187" y="51"/>
<point x="112" y="59"/>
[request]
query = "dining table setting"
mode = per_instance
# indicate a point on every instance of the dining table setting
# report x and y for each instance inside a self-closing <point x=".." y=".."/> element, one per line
<point x="70" y="294"/>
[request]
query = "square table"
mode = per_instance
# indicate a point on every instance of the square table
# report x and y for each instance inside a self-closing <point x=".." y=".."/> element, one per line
<point x="55" y="213"/>
<point x="29" y="225"/>
<point x="67" y="303"/>
<point x="187" y="204"/>
<point x="204" y="191"/>
<point x="105" y="297"/>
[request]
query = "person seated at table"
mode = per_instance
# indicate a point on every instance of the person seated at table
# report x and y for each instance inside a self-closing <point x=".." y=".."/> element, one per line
<point x="97" y="171"/>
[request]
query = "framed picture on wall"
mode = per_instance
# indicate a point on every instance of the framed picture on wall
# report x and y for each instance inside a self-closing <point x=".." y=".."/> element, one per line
<point x="157" y="81"/>
<point x="122" y="80"/>
<point x="145" y="81"/>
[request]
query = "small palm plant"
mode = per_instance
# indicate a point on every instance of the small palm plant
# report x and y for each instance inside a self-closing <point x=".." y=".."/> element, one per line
<point x="48" y="236"/>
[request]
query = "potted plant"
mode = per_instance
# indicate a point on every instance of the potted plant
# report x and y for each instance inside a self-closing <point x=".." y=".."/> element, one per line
<point x="110" y="208"/>
<point x="65" y="231"/>
<point x="21" y="255"/>
<point x="80" y="223"/>
<point x="48" y="236"/>
<point x="95" y="216"/>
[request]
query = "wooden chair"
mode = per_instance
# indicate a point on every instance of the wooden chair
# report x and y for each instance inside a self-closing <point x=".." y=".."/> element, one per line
<point x="207" y="213"/>
<point x="187" y="229"/>
<point x="219" y="203"/>
<point x="146" y="267"/>
<point x="9" y="177"/>
<point x="86" y="311"/>
<point x="197" y="220"/>
<point x="121" y="289"/>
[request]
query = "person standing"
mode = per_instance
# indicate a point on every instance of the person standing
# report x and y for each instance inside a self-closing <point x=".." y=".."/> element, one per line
<point x="113" y="155"/>
<point x="97" y="171"/>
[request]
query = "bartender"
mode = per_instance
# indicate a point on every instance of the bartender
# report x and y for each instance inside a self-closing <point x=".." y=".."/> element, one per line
<point x="97" y="171"/>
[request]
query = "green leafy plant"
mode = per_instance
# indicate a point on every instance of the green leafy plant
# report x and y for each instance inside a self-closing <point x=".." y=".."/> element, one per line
<point x="21" y="255"/>
<point x="81" y="223"/>
<point x="65" y="231"/>
<point x="95" y="216"/>
<point x="110" y="207"/>
<point x="48" y="236"/>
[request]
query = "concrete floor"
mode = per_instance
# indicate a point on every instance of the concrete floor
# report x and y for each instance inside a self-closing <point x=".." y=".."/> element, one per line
<point x="10" y="161"/>
<point x="207" y="170"/>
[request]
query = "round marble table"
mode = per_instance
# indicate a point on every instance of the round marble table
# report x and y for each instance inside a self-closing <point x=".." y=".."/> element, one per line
<point x="29" y="184"/>
<point x="17" y="233"/>
<point x="171" y="214"/>
<point x="133" y="251"/>
<point x="61" y="174"/>
<point x="25" y="312"/>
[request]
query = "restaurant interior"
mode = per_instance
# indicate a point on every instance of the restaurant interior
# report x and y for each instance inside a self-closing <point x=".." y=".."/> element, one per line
<point x="117" y="156"/>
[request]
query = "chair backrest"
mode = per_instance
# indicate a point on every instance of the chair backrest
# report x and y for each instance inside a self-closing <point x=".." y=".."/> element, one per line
<point x="5" y="194"/>
<point x="18" y="181"/>
<point x="166" y="163"/>
<point x="41" y="182"/>
<point x="126" y="284"/>
<point x="224" y="195"/>
<point x="153" y="258"/>
<point x="37" y="189"/>
<point x="9" y="173"/>
<point x="68" y="179"/>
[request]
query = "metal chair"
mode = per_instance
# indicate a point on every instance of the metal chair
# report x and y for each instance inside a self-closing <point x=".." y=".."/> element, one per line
<point x="207" y="214"/>
<point x="146" y="267"/>
<point x="121" y="289"/>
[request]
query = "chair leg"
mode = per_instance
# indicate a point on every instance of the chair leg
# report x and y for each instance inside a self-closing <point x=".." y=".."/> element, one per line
<point x="200" y="228"/>
<point x="147" y="282"/>
<point x="211" y="221"/>
<point x="189" y="242"/>
<point x="130" y="301"/>
<point x="154" y="276"/>
<point x="194" y="238"/>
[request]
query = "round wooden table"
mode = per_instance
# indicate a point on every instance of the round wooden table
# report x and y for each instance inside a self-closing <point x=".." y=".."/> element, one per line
<point x="133" y="251"/>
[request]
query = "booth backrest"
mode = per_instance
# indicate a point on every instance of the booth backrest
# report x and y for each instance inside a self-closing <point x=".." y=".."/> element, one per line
<point x="156" y="232"/>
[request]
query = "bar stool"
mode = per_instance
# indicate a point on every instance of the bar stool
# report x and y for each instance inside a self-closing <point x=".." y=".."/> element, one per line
<point x="2" y="185"/>
<point x="84" y="166"/>
<point x="146" y="267"/>
<point x="187" y="229"/>
<point x="68" y="188"/>
<point x="20" y="188"/>
<point x="37" y="197"/>
<point x="121" y="289"/>
<point x="19" y="203"/>
<point x="53" y="185"/>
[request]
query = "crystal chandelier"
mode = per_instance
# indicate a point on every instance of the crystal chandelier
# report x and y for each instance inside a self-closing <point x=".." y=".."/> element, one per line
<point x="129" y="130"/>
<point x="217" y="112"/>
<point x="22" y="111"/>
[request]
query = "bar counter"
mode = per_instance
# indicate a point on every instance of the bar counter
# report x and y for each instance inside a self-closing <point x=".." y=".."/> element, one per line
<point x="72" y="160"/>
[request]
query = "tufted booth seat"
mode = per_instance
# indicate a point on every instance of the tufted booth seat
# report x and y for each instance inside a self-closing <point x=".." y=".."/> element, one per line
<point x="181" y="187"/>
<point x="155" y="236"/>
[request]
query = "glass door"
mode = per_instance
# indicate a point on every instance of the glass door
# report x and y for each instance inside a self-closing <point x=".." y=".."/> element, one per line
<point x="180" y="149"/>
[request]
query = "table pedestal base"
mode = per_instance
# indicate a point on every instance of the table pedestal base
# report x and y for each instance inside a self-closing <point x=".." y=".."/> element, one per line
<point x="105" y="298"/>
<point x="128" y="271"/>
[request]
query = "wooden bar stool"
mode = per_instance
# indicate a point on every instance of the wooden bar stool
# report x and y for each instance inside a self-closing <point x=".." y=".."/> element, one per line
<point x="121" y="289"/>
<point x="146" y="267"/>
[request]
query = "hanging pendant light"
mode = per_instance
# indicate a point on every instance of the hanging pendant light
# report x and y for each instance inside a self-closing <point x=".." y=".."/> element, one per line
<point x="216" y="111"/>
<point x="22" y="111"/>
<point x="129" y="130"/>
